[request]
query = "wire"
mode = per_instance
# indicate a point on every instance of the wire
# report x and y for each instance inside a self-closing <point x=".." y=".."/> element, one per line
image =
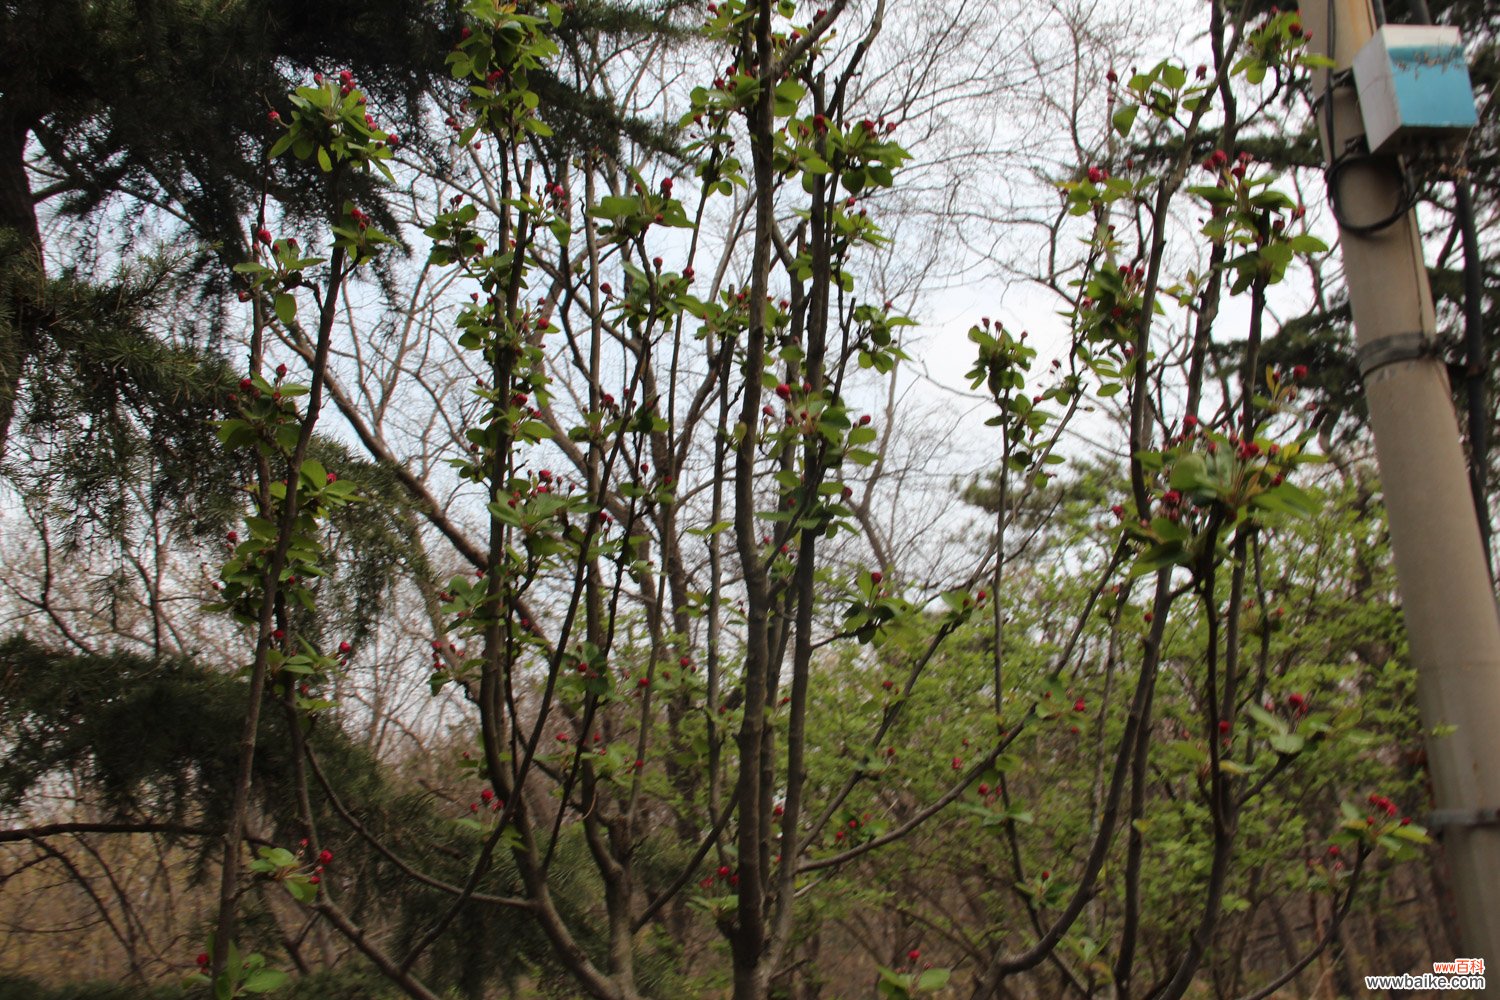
<point x="1356" y="152"/>
<point x="1476" y="362"/>
<point x="1408" y="200"/>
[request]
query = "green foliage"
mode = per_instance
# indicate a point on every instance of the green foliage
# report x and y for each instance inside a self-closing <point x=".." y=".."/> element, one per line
<point x="115" y="419"/>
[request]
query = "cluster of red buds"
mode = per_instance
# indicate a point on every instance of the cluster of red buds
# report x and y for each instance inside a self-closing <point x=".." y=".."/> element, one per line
<point x="722" y="874"/>
<point x="487" y="800"/>
<point x="1382" y="804"/>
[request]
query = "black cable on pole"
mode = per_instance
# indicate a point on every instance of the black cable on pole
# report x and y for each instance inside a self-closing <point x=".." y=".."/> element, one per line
<point x="1342" y="156"/>
<point x="1476" y="364"/>
<point x="1476" y="360"/>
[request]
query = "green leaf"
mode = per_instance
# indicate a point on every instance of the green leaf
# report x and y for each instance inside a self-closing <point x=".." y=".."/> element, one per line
<point x="1125" y="118"/>
<point x="302" y="890"/>
<point x="933" y="979"/>
<point x="323" y="161"/>
<point x="265" y="980"/>
<point x="1191" y="473"/>
<point x="1413" y="833"/>
<point x="1287" y="743"/>
<point x="286" y="307"/>
<point x="1307" y="243"/>
<point x="1266" y="719"/>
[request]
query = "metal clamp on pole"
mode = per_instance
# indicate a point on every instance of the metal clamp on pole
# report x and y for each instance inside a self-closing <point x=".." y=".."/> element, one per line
<point x="1398" y="347"/>
<point x="1441" y="818"/>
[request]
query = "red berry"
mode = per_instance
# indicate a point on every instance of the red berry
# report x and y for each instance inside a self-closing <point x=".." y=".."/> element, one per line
<point x="1299" y="372"/>
<point x="325" y="856"/>
<point x="344" y="648"/>
<point x="875" y="577"/>
<point x="202" y="959"/>
<point x="263" y="234"/>
<point x="913" y="955"/>
<point x="1079" y="706"/>
<point x="1223" y="726"/>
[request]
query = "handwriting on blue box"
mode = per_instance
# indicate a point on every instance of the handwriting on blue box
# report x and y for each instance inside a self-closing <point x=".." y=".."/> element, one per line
<point x="1414" y="89"/>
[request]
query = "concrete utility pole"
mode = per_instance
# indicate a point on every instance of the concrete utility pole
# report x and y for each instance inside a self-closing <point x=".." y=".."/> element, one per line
<point x="1451" y="619"/>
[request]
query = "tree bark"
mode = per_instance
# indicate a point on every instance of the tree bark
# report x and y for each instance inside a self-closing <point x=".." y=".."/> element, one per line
<point x="23" y="270"/>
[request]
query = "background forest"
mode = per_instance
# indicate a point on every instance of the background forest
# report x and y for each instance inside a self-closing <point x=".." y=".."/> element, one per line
<point x="722" y="500"/>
